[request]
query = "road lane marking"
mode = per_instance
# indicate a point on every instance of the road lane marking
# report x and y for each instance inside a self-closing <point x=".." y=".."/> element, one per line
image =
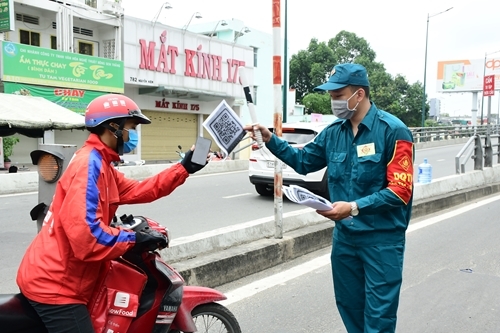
<point x="236" y="195"/>
<point x="16" y="194"/>
<point x="441" y="160"/>
<point x="258" y="286"/>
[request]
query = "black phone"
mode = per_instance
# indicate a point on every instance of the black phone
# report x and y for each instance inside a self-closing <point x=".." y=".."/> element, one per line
<point x="201" y="149"/>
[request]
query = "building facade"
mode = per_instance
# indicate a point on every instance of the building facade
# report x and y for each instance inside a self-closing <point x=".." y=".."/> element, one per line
<point x="68" y="52"/>
<point x="178" y="78"/>
<point x="72" y="51"/>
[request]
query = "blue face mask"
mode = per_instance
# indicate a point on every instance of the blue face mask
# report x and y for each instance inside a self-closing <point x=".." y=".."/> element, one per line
<point x="133" y="140"/>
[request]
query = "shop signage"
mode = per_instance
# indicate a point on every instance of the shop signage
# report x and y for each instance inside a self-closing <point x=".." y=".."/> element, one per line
<point x="70" y="98"/>
<point x="6" y="15"/>
<point x="198" y="64"/>
<point x="35" y="65"/>
<point x="164" y="104"/>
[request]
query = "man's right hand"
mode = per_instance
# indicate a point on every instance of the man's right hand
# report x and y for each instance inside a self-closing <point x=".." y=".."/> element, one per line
<point x="266" y="133"/>
<point x="149" y="241"/>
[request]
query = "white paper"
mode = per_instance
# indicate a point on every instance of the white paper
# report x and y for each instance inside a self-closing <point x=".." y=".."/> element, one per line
<point x="305" y="197"/>
<point x="225" y="127"/>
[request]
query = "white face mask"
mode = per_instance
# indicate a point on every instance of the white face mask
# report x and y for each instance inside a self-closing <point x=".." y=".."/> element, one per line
<point x="340" y="108"/>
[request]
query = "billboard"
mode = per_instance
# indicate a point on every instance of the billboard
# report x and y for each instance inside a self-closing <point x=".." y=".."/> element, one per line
<point x="36" y="65"/>
<point x="466" y="75"/>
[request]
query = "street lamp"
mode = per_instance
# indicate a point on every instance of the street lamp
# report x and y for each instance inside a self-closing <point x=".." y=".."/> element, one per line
<point x="165" y="5"/>
<point x="484" y="74"/>
<point x="425" y="66"/>
<point x="222" y="23"/>
<point x="240" y="33"/>
<point x="197" y="15"/>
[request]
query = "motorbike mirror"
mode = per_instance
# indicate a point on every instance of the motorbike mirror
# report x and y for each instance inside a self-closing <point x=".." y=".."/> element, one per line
<point x="179" y="146"/>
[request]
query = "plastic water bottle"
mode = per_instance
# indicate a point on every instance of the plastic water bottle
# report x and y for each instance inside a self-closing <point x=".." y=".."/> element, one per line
<point x="424" y="172"/>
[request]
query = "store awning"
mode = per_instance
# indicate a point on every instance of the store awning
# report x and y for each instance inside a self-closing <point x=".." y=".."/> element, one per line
<point x="31" y="116"/>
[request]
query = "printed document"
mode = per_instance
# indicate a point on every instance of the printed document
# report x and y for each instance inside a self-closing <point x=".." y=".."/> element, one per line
<point x="305" y="197"/>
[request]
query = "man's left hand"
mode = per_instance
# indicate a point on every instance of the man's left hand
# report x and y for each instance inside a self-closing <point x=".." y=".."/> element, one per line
<point x="340" y="210"/>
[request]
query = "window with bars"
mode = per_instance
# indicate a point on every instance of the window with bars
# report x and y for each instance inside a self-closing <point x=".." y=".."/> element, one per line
<point x="86" y="48"/>
<point x="108" y="48"/>
<point x="29" y="37"/>
<point x="53" y="42"/>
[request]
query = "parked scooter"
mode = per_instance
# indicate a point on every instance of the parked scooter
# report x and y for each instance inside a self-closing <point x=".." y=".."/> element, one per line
<point x="138" y="292"/>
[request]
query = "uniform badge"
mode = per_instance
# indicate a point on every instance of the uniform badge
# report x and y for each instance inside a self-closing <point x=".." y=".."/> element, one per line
<point x="366" y="150"/>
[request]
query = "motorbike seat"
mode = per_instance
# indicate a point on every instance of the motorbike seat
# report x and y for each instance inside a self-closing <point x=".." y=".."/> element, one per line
<point x="17" y="315"/>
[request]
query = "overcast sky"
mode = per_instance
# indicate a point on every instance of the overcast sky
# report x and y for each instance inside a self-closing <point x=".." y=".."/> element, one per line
<point x="396" y="32"/>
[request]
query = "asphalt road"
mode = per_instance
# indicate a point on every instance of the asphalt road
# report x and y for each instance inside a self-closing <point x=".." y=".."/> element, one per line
<point x="451" y="282"/>
<point x="203" y="203"/>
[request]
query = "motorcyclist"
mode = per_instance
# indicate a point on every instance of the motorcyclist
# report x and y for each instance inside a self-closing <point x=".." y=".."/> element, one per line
<point x="62" y="264"/>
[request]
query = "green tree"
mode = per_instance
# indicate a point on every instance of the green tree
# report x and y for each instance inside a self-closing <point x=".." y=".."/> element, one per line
<point x="317" y="103"/>
<point x="311" y="67"/>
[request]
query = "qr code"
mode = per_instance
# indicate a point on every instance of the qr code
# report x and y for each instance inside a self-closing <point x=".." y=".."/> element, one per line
<point x="304" y="196"/>
<point x="226" y="127"/>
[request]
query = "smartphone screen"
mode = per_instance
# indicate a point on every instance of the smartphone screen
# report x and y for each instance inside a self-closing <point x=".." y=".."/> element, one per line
<point x="201" y="149"/>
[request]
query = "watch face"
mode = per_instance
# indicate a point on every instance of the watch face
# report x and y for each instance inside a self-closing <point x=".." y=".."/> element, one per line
<point x="354" y="209"/>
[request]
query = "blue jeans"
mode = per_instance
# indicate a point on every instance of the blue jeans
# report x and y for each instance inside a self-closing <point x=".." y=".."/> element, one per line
<point x="67" y="318"/>
<point x="367" y="281"/>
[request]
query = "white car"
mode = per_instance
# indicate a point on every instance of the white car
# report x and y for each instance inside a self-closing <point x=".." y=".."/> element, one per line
<point x="261" y="163"/>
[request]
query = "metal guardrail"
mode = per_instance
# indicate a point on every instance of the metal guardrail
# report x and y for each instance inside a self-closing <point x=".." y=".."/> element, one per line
<point x="427" y="134"/>
<point x="482" y="155"/>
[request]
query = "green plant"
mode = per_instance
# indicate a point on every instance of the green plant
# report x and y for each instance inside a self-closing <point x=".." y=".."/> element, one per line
<point x="8" y="147"/>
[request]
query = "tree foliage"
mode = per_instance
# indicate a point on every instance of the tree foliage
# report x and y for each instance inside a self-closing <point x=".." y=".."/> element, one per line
<point x="311" y="67"/>
<point x="317" y="103"/>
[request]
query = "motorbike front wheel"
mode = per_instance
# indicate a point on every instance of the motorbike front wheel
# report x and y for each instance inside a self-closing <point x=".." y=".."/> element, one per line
<point x="213" y="317"/>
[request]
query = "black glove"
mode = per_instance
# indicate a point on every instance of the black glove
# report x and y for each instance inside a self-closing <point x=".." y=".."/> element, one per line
<point x="149" y="241"/>
<point x="190" y="166"/>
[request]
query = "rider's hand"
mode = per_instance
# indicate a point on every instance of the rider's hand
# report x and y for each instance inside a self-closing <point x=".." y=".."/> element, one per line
<point x="149" y="241"/>
<point x="266" y="133"/>
<point x="189" y="165"/>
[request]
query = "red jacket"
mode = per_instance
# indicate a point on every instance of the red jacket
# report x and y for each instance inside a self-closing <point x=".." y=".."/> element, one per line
<point x="62" y="263"/>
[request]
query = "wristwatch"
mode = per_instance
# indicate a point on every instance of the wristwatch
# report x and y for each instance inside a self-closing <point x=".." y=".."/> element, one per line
<point x="354" y="208"/>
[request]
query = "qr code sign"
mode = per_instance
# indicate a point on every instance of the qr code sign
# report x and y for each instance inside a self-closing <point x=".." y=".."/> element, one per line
<point x="225" y="127"/>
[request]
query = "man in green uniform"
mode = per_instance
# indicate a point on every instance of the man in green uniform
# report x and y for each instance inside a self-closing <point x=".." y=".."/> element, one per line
<point x="369" y="155"/>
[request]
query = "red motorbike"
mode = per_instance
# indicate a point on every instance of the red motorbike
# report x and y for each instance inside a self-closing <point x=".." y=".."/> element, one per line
<point x="137" y="292"/>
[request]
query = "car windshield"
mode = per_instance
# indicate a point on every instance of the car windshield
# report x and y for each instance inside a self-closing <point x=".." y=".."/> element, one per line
<point x="298" y="135"/>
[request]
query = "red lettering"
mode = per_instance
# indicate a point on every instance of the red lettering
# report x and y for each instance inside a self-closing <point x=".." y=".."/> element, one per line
<point x="173" y="52"/>
<point x="162" y="60"/>
<point x="229" y="70"/>
<point x="238" y="64"/>
<point x="217" y="68"/>
<point x="206" y="67"/>
<point x="162" y="104"/>
<point x="232" y="77"/>
<point x="147" y="55"/>
<point x="189" y="63"/>
<point x="69" y="92"/>
<point x="200" y="62"/>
